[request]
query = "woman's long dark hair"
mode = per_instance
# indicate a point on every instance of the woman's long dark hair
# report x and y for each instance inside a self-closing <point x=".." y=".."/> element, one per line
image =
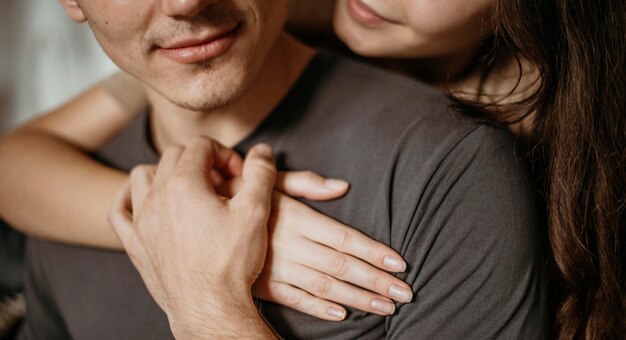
<point x="578" y="144"/>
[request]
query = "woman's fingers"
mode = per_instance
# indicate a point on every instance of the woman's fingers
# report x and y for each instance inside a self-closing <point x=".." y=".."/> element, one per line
<point x="300" y="300"/>
<point x="352" y="270"/>
<point x="347" y="240"/>
<point x="328" y="288"/>
<point x="310" y="185"/>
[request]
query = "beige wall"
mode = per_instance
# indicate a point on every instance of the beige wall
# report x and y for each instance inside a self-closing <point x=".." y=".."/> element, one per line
<point x="45" y="59"/>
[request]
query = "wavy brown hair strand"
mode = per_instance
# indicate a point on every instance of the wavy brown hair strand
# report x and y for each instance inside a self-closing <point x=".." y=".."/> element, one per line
<point x="578" y="146"/>
<point x="579" y="47"/>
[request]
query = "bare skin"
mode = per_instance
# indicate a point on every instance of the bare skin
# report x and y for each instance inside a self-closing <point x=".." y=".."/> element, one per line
<point x="210" y="237"/>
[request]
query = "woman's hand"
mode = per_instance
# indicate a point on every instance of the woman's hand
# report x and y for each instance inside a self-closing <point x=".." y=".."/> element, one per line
<point x="316" y="264"/>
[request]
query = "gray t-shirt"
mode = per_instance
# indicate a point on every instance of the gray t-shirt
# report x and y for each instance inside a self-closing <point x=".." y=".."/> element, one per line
<point x="445" y="191"/>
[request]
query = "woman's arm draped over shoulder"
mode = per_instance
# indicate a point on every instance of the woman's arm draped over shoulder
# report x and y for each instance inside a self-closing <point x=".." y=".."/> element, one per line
<point x="51" y="188"/>
<point x="34" y="171"/>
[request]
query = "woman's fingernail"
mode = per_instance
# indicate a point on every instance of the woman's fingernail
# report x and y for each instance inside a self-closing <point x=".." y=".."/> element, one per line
<point x="383" y="306"/>
<point x="336" y="313"/>
<point x="400" y="293"/>
<point x="265" y="151"/>
<point x="335" y="184"/>
<point x="394" y="263"/>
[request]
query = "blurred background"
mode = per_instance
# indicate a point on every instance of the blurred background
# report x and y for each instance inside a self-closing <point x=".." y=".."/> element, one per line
<point x="46" y="59"/>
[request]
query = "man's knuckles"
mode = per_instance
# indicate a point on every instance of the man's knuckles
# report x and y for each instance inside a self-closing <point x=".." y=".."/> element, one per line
<point x="142" y="174"/>
<point x="172" y="153"/>
<point x="251" y="210"/>
<point x="116" y="219"/>
<point x="260" y="169"/>
<point x="201" y="143"/>
<point x="178" y="186"/>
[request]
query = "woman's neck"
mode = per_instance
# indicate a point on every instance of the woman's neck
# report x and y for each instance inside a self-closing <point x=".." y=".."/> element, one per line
<point x="439" y="72"/>
<point x="506" y="81"/>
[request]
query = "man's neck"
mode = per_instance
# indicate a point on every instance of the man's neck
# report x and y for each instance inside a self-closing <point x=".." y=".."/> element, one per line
<point x="173" y="125"/>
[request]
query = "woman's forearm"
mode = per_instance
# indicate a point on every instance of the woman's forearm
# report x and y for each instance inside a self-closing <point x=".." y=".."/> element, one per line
<point x="49" y="186"/>
<point x="92" y="119"/>
<point x="41" y="195"/>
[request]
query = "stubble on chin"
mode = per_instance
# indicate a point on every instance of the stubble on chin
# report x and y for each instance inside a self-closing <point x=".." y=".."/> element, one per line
<point x="207" y="98"/>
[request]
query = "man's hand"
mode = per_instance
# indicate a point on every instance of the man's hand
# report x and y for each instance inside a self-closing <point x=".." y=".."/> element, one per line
<point x="199" y="253"/>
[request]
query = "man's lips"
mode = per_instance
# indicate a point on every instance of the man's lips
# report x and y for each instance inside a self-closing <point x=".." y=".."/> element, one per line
<point x="198" y="49"/>
<point x="365" y="15"/>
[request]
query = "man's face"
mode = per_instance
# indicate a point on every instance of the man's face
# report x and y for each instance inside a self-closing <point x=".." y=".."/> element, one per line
<point x="199" y="54"/>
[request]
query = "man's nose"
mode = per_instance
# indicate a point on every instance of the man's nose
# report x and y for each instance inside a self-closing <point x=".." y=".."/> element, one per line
<point x="184" y="8"/>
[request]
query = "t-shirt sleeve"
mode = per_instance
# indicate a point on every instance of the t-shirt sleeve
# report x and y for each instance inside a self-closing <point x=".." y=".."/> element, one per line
<point x="473" y="240"/>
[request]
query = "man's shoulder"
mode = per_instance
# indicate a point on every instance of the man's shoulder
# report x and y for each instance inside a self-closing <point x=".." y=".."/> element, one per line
<point x="363" y="114"/>
<point x="358" y="81"/>
<point x="384" y="106"/>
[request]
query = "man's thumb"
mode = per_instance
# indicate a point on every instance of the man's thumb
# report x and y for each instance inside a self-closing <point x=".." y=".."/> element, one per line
<point x="259" y="175"/>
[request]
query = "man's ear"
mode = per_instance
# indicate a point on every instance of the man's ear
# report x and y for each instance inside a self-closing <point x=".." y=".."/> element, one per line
<point x="73" y="10"/>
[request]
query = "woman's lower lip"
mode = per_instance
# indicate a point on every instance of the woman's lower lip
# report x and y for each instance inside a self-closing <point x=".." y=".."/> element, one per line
<point x="365" y="15"/>
<point x="201" y="53"/>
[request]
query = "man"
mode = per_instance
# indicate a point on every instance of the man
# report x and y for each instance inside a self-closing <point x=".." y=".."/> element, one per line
<point x="445" y="191"/>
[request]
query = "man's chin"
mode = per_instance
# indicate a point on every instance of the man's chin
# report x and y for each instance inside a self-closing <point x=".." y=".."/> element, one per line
<point x="205" y="103"/>
<point x="200" y="107"/>
<point x="203" y="93"/>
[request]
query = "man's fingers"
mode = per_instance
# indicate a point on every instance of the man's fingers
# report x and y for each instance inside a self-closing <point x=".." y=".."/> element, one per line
<point x="310" y="185"/>
<point x="204" y="154"/>
<point x="120" y="216"/>
<point x="167" y="164"/>
<point x="141" y="178"/>
<point x="122" y="221"/>
<point x="229" y="188"/>
<point x="259" y="176"/>
<point x="302" y="301"/>
<point x="227" y="161"/>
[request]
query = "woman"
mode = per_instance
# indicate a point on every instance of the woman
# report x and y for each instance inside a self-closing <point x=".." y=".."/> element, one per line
<point x="551" y="71"/>
<point x="566" y="99"/>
